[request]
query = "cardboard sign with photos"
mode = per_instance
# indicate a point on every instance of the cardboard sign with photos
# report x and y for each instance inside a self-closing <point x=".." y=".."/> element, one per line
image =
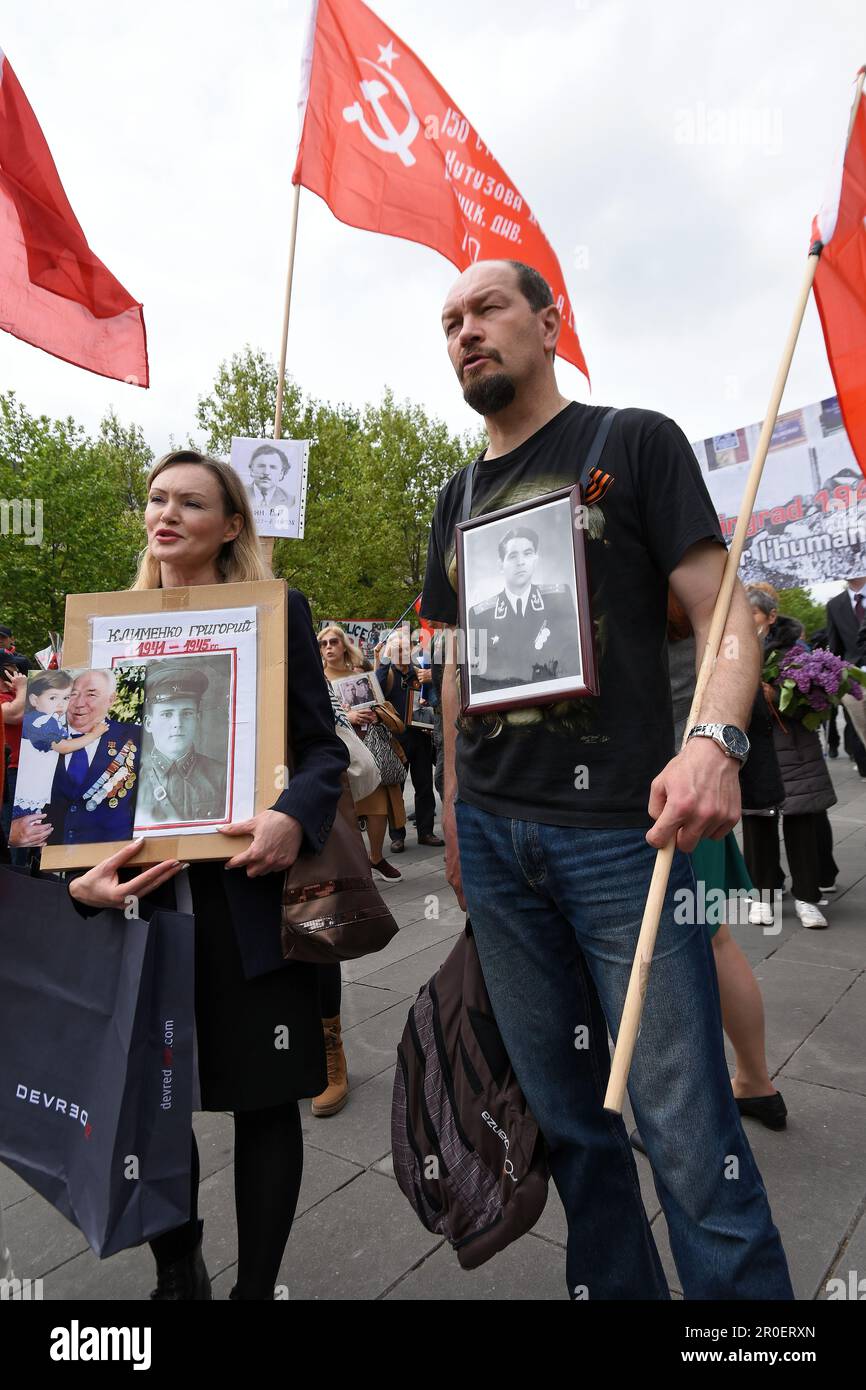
<point x="212" y="733"/>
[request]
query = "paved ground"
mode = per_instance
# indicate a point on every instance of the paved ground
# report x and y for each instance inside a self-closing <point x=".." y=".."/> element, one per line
<point x="357" y="1238"/>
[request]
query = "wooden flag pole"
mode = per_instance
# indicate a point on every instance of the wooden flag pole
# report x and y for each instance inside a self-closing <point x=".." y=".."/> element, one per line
<point x="637" y="985"/>
<point x="267" y="542"/>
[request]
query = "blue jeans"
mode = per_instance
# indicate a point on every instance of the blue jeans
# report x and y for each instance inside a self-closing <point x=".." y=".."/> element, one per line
<point x="556" y="912"/>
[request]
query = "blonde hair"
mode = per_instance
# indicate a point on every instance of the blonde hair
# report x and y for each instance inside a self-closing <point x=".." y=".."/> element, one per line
<point x="240" y="561"/>
<point x="353" y="657"/>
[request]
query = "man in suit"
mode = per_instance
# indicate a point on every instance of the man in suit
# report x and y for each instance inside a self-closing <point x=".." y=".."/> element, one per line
<point x="178" y="783"/>
<point x="846" y="614"/>
<point x="93" y="792"/>
<point x="527" y="632"/>
<point x="268" y="466"/>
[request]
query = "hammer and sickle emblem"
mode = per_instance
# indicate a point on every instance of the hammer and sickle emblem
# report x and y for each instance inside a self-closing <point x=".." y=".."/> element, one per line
<point x="392" y="140"/>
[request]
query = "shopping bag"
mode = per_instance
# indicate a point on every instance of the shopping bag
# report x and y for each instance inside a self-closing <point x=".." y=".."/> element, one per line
<point x="96" y="1060"/>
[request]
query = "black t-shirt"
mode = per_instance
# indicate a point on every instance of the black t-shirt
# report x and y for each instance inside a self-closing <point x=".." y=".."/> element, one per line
<point x="589" y="761"/>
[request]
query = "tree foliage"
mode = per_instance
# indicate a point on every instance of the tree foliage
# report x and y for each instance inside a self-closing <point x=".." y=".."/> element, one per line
<point x="798" y="603"/>
<point x="373" y="479"/>
<point x="84" y="499"/>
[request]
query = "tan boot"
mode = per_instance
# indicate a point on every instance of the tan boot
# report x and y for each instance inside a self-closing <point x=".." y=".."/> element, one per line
<point x="334" y="1098"/>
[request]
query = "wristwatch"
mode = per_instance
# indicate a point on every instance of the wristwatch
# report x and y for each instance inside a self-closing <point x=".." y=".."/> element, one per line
<point x="730" y="739"/>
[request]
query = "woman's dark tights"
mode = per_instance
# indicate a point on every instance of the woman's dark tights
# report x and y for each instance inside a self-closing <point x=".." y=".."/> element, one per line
<point x="269" y="1163"/>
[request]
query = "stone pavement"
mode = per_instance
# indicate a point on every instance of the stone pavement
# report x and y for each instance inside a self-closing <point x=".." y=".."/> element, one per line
<point x="356" y="1237"/>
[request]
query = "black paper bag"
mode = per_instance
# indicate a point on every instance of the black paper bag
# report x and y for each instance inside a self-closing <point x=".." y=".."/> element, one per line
<point x="96" y="1060"/>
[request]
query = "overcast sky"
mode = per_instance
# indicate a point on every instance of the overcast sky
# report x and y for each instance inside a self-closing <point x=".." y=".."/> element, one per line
<point x="174" y="128"/>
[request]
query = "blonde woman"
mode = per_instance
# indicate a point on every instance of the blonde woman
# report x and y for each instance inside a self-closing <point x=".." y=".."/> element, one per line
<point x="200" y="530"/>
<point x="340" y="657"/>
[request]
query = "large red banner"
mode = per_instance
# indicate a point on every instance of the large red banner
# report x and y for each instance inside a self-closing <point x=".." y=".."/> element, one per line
<point x="388" y="150"/>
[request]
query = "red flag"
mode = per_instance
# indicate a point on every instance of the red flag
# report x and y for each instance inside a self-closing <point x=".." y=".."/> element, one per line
<point x="54" y="292"/>
<point x="426" y="629"/>
<point x="840" y="285"/>
<point x="387" y="149"/>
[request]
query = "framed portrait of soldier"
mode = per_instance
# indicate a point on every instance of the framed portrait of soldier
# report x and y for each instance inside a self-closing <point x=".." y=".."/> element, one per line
<point x="419" y="715"/>
<point x="525" y="627"/>
<point x="360" y="690"/>
<point x="274" y="473"/>
<point x="207" y="668"/>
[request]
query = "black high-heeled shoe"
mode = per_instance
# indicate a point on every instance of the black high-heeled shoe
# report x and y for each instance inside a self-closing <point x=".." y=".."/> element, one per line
<point x="770" y="1110"/>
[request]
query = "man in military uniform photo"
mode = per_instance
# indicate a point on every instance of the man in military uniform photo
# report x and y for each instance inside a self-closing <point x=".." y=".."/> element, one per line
<point x="178" y="783"/>
<point x="527" y="632"/>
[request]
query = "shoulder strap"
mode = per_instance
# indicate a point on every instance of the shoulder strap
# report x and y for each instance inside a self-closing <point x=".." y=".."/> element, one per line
<point x="596" y="450"/>
<point x="597" y="447"/>
<point x="467" y="491"/>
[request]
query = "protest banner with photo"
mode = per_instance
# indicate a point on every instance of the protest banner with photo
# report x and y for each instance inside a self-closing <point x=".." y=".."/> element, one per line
<point x="809" y="520"/>
<point x="366" y="633"/>
<point x="274" y="473"/>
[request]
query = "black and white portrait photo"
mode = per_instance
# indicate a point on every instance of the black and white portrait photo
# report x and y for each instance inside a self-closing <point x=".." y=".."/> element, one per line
<point x="359" y="691"/>
<point x="188" y="748"/>
<point x="523" y="604"/>
<point x="274" y="472"/>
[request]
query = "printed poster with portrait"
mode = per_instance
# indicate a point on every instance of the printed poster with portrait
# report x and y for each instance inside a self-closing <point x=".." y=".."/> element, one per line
<point x="209" y="668"/>
<point x="274" y="473"/>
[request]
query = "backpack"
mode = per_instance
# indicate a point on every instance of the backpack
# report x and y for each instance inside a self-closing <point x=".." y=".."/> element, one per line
<point x="467" y="1153"/>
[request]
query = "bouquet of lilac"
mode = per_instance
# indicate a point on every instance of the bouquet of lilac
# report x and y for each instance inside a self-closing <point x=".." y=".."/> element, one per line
<point x="811" y="684"/>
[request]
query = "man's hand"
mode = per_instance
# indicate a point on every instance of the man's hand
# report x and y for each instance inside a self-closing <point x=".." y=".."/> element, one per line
<point x="29" y="831"/>
<point x="101" y="885"/>
<point x="453" y="874"/>
<point x="276" y="843"/>
<point x="696" y="797"/>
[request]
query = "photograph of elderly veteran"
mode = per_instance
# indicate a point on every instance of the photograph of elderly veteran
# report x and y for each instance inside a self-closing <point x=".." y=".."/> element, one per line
<point x="552" y="822"/>
<point x="200" y="531"/>
<point x="71" y="817"/>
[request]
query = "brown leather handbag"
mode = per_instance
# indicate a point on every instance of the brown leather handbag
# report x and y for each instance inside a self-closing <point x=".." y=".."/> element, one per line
<point x="331" y="909"/>
<point x="390" y="718"/>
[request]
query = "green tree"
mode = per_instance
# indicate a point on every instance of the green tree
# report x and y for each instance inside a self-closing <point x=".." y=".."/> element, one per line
<point x="373" y="477"/>
<point x="243" y="400"/>
<point x="798" y="603"/>
<point x="81" y="539"/>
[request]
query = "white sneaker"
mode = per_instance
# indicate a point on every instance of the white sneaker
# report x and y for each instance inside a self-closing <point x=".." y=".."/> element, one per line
<point x="809" y="915"/>
<point x="760" y="914"/>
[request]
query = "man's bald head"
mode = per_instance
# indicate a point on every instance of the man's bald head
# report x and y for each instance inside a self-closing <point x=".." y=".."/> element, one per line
<point x="501" y="326"/>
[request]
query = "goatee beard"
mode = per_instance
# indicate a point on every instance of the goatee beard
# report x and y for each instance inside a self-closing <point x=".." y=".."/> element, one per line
<point x="490" y="394"/>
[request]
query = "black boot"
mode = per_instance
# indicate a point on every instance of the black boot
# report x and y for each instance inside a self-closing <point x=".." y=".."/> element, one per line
<point x="185" y="1279"/>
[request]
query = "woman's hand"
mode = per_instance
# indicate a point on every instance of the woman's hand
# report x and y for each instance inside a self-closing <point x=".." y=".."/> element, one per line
<point x="361" y="718"/>
<point x="276" y="843"/>
<point x="101" y="885"/>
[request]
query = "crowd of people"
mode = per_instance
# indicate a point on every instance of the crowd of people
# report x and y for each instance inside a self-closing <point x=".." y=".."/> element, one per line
<point x="552" y="869"/>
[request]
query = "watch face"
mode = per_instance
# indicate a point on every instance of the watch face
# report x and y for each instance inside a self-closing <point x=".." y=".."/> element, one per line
<point x="735" y="741"/>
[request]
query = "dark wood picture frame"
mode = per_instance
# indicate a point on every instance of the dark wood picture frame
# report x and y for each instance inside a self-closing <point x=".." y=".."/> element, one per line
<point x="411" y="712"/>
<point x="587" y="683"/>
